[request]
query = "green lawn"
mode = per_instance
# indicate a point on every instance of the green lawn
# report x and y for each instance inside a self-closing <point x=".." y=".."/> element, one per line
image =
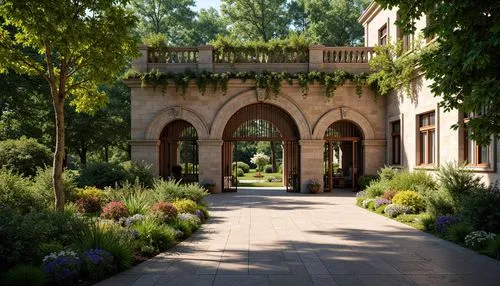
<point x="259" y="182"/>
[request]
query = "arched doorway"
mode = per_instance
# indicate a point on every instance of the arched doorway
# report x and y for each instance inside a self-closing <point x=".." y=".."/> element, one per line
<point x="342" y="155"/>
<point x="179" y="151"/>
<point x="261" y="122"/>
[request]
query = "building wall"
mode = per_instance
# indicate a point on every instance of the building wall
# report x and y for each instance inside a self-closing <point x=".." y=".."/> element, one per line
<point x="399" y="106"/>
<point x="153" y="109"/>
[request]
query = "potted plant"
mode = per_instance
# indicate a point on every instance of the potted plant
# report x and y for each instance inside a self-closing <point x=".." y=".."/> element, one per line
<point x="209" y="185"/>
<point x="313" y="186"/>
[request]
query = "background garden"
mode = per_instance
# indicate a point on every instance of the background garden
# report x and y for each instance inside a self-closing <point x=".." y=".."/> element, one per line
<point x="454" y="205"/>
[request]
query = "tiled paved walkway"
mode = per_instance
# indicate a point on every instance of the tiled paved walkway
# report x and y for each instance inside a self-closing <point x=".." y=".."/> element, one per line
<point x="274" y="238"/>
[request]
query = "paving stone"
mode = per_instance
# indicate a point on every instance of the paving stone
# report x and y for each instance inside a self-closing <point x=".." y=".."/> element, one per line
<point x="270" y="237"/>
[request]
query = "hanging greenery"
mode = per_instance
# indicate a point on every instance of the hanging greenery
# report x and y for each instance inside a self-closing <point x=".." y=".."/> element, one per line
<point x="394" y="67"/>
<point x="270" y="81"/>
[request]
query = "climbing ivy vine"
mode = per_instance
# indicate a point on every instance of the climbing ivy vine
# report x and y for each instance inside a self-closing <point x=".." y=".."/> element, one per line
<point x="270" y="81"/>
<point x="394" y="67"/>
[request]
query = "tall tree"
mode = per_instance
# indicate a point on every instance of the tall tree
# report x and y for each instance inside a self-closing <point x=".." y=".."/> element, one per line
<point x="335" y="23"/>
<point x="208" y="25"/>
<point x="82" y="43"/>
<point x="464" y="63"/>
<point x="107" y="127"/>
<point x="298" y="17"/>
<point x="25" y="108"/>
<point x="257" y="19"/>
<point x="170" y="17"/>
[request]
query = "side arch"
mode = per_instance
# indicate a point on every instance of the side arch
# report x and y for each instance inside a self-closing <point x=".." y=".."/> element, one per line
<point x="335" y="115"/>
<point x="249" y="97"/>
<point x="170" y="114"/>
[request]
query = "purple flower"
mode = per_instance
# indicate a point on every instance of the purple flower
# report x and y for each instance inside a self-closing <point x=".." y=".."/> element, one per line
<point x="443" y="222"/>
<point x="199" y="214"/>
<point x="381" y="201"/>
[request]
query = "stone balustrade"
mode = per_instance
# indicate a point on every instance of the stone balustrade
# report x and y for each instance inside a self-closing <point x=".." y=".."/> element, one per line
<point x="317" y="58"/>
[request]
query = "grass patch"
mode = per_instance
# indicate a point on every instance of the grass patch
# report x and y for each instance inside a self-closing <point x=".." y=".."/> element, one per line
<point x="261" y="184"/>
<point x="250" y="175"/>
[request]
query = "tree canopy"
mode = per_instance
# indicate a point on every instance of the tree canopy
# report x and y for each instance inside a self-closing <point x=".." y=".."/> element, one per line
<point x="257" y="20"/>
<point x="463" y="64"/>
<point x="74" y="46"/>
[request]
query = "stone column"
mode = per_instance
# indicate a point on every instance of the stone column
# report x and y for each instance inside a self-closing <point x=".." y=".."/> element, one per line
<point x="205" y="61"/>
<point x="210" y="156"/>
<point x="374" y="155"/>
<point x="146" y="151"/>
<point x="316" y="57"/>
<point x="140" y="64"/>
<point x="311" y="162"/>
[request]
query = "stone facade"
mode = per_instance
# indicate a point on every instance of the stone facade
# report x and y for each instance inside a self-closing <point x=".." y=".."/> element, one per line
<point x="153" y="109"/>
<point x="449" y="142"/>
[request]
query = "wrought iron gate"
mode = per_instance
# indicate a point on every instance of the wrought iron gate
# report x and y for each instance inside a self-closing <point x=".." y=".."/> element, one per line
<point x="342" y="136"/>
<point x="261" y="122"/>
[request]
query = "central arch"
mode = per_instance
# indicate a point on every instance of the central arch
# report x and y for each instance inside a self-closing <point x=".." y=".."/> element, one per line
<point x="261" y="122"/>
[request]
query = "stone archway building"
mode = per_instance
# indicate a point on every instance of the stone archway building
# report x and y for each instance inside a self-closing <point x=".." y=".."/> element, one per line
<point x="154" y="108"/>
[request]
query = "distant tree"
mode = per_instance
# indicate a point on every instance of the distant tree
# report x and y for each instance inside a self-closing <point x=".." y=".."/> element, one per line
<point x="335" y="23"/>
<point x="464" y="63"/>
<point x="209" y="23"/>
<point x="25" y="108"/>
<point x="107" y="127"/>
<point x="74" y="46"/>
<point x="256" y="19"/>
<point x="298" y="17"/>
<point x="173" y="18"/>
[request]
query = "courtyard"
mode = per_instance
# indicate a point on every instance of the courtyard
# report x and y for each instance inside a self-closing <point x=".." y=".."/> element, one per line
<point x="270" y="237"/>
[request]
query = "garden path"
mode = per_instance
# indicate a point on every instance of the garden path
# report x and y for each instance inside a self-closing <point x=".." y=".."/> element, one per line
<point x="270" y="237"/>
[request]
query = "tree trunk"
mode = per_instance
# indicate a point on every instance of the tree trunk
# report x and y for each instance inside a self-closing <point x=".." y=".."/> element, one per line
<point x="58" y="102"/>
<point x="83" y="155"/>
<point x="106" y="153"/>
<point x="273" y="157"/>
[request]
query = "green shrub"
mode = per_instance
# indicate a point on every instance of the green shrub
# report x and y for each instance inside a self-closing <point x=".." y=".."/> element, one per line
<point x="268" y="169"/>
<point x="380" y="209"/>
<point x="25" y="275"/>
<point x="139" y="172"/>
<point x="428" y="222"/>
<point x="359" y="200"/>
<point x="240" y="173"/>
<point x="102" y="175"/>
<point x="108" y="238"/>
<point x="43" y="185"/>
<point x="439" y="202"/>
<point x="16" y="193"/>
<point x="154" y="234"/>
<point x="414" y="181"/>
<point x="23" y="234"/>
<point x="89" y="199"/>
<point x="183" y="226"/>
<point x="48" y="248"/>
<point x="480" y="209"/>
<point x="410" y="199"/>
<point x="24" y="155"/>
<point x="493" y="248"/>
<point x="458" y="181"/>
<point x="365" y="180"/>
<point x="171" y="190"/>
<point x="185" y="206"/>
<point x="377" y="188"/>
<point x="387" y="173"/>
<point x="244" y="166"/>
<point x="457" y="232"/>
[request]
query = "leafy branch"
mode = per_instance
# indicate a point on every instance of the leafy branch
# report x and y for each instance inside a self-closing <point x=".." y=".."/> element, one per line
<point x="270" y="81"/>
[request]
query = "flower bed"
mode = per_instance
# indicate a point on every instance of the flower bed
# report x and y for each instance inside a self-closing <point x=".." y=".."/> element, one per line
<point x="456" y="207"/>
<point x="100" y="233"/>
